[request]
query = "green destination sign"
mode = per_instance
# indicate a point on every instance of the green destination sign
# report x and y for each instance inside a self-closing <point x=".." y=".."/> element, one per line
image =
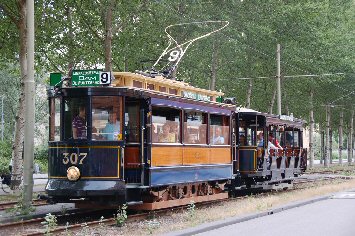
<point x="84" y="78"/>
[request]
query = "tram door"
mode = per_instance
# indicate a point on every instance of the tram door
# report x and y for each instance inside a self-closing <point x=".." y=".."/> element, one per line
<point x="135" y="133"/>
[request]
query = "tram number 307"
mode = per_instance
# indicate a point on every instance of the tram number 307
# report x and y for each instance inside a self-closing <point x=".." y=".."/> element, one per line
<point x="74" y="158"/>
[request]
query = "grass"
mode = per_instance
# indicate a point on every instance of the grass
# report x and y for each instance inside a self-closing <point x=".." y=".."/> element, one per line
<point x="8" y="198"/>
<point x="344" y="169"/>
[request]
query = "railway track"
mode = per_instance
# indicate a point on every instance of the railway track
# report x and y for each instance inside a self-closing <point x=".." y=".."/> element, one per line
<point x="34" y="227"/>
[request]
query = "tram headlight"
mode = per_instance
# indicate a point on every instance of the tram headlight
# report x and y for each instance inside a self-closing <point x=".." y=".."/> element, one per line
<point x="73" y="173"/>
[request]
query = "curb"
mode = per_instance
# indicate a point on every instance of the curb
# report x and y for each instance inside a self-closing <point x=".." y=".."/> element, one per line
<point x="234" y="220"/>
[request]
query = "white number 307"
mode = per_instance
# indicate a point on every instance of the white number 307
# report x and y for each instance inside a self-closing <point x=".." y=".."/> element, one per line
<point x="73" y="158"/>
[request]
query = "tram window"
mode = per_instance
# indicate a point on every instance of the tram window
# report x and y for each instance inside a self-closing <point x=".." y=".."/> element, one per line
<point x="165" y="125"/>
<point x="295" y="139"/>
<point x="162" y="89"/>
<point x="251" y="136"/>
<point x="137" y="84"/>
<point x="278" y="137"/>
<point x="106" y="118"/>
<point x="54" y="120"/>
<point x="75" y="117"/>
<point x="132" y="122"/>
<point x="195" y="128"/>
<point x="150" y="86"/>
<point x="289" y="138"/>
<point x="173" y="91"/>
<point x="219" y="130"/>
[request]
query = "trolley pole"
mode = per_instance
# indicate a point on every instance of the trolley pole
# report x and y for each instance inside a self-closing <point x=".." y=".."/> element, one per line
<point x="278" y="76"/>
<point x="29" y="109"/>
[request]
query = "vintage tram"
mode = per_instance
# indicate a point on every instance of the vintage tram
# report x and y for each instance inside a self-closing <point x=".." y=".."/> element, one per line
<point x="153" y="142"/>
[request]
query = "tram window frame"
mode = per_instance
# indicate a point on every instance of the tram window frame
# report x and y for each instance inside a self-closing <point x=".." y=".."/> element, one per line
<point x="222" y="122"/>
<point x="102" y="124"/>
<point x="70" y="112"/>
<point x="134" y="131"/>
<point x="204" y="123"/>
<point x="249" y="127"/>
<point x="296" y="138"/>
<point x="289" y="138"/>
<point x="55" y="120"/>
<point x="158" y="125"/>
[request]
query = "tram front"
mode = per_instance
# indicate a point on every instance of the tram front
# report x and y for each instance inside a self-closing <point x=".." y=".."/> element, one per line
<point x="85" y="140"/>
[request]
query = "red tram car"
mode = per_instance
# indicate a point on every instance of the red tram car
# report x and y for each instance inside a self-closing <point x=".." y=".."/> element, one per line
<point x="152" y="142"/>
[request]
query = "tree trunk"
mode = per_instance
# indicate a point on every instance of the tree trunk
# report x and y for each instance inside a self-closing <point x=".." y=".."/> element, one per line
<point x="330" y="146"/>
<point x="287" y="110"/>
<point x="326" y="160"/>
<point x="214" y="65"/>
<point x="350" y="138"/>
<point x="17" y="148"/>
<point x="71" y="39"/>
<point x="341" y="137"/>
<point x="272" y="102"/>
<point x="311" y="131"/>
<point x="322" y="149"/>
<point x="250" y="87"/>
<point x="108" y="36"/>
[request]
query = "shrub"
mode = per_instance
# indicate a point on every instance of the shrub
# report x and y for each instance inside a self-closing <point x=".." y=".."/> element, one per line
<point x="5" y="156"/>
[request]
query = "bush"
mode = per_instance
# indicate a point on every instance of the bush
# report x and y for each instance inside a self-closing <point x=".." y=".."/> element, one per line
<point x="5" y="156"/>
<point x="41" y="157"/>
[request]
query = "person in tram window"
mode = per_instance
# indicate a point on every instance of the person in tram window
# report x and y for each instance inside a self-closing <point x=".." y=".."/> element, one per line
<point x="95" y="134"/>
<point x="218" y="138"/>
<point x="166" y="136"/>
<point x="174" y="129"/>
<point x="112" y="128"/>
<point x="202" y="134"/>
<point x="275" y="142"/>
<point x="260" y="140"/>
<point x="270" y="145"/>
<point x="155" y="135"/>
<point x="79" y="124"/>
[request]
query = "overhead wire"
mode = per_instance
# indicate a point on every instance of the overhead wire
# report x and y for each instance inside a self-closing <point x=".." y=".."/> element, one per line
<point x="285" y="62"/>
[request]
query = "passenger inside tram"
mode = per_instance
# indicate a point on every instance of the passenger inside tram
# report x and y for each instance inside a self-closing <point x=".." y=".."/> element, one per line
<point x="218" y="138"/>
<point x="166" y="136"/>
<point x="112" y="128"/>
<point x="79" y="124"/>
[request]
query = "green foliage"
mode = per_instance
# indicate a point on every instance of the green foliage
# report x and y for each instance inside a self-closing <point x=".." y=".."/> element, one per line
<point x="317" y="37"/>
<point x="121" y="215"/>
<point x="191" y="210"/>
<point x="49" y="223"/>
<point x="5" y="156"/>
<point x="41" y="157"/>
<point x="20" y="208"/>
<point x="152" y="225"/>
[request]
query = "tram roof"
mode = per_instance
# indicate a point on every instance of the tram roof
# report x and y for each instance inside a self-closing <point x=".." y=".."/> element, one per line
<point x="272" y="119"/>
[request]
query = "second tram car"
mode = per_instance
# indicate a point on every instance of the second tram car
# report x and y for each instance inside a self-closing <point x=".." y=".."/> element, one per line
<point x="154" y="143"/>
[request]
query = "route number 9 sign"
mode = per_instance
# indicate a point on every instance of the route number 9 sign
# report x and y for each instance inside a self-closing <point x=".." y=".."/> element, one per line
<point x="105" y="77"/>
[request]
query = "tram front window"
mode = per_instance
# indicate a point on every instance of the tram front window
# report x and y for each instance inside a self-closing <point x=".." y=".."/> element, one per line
<point x="75" y="117"/>
<point x="106" y="118"/>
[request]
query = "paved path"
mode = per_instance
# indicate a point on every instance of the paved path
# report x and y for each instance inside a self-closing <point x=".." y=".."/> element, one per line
<point x="40" y="181"/>
<point x="326" y="216"/>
